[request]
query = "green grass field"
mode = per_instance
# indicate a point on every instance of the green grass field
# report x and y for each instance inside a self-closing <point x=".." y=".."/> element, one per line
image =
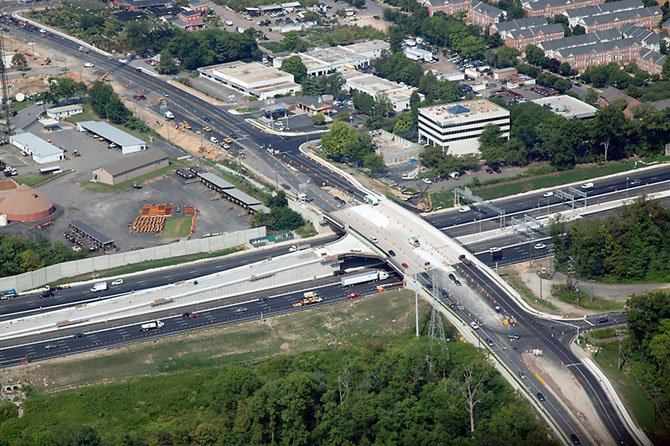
<point x="340" y="324"/>
<point x="39" y="179"/>
<point x="177" y="227"/>
<point x="583" y="299"/>
<point x="632" y="394"/>
<point x="515" y="281"/>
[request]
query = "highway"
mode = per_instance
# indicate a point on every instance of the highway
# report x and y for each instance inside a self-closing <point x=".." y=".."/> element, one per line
<point x="265" y="303"/>
<point x="548" y="335"/>
<point x="199" y="113"/>
<point x="457" y="224"/>
<point x="27" y="304"/>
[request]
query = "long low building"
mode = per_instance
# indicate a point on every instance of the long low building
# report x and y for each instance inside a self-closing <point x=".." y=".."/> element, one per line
<point x="230" y="193"/>
<point x="644" y="17"/>
<point x="520" y="38"/>
<point x="375" y="86"/>
<point x="253" y="79"/>
<point x="131" y="167"/>
<point x="65" y="111"/>
<point x="567" y="106"/>
<point x="574" y="15"/>
<point x="127" y="142"/>
<point x="456" y="127"/>
<point x="619" y="51"/>
<point x="43" y="152"/>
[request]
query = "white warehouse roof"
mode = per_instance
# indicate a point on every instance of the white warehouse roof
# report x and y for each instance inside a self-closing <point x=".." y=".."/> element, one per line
<point x="35" y="145"/>
<point x="111" y="133"/>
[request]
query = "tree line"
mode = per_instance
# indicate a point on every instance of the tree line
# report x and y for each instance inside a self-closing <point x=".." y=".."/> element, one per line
<point x="388" y="391"/>
<point x="19" y="254"/>
<point x="631" y="245"/>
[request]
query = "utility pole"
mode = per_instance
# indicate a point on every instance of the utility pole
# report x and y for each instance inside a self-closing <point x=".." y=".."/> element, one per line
<point x="5" y="89"/>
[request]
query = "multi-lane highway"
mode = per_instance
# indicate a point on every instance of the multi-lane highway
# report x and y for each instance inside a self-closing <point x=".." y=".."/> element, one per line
<point x="33" y="303"/>
<point x="252" y="306"/>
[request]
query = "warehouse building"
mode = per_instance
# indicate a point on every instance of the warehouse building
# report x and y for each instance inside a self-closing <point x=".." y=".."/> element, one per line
<point x="228" y="191"/>
<point x="374" y="86"/>
<point x="253" y="78"/>
<point x="567" y="106"/>
<point x="127" y="142"/>
<point x="65" y="111"/>
<point x="321" y="61"/>
<point x="43" y="152"/>
<point x="456" y="127"/>
<point x="131" y="167"/>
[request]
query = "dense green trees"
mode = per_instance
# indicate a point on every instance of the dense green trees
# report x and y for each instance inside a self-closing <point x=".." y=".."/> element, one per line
<point x="345" y="143"/>
<point x="296" y="67"/>
<point x="629" y="246"/>
<point x="19" y="254"/>
<point x="405" y="392"/>
<point x="63" y="88"/>
<point x="107" y="104"/>
<point x="281" y="217"/>
<point x="647" y="350"/>
<point x="329" y="84"/>
<point x="212" y="46"/>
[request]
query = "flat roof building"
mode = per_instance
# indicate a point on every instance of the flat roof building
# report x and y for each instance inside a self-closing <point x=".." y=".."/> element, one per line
<point x="65" y="111"/>
<point x="43" y="152"/>
<point x="398" y="94"/>
<point x="320" y="61"/>
<point x="131" y="167"/>
<point x="456" y="127"/>
<point x="253" y="79"/>
<point x="127" y="142"/>
<point x="567" y="106"/>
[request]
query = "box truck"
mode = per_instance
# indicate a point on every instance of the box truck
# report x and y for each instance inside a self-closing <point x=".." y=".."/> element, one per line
<point x="152" y="325"/>
<point x="100" y="286"/>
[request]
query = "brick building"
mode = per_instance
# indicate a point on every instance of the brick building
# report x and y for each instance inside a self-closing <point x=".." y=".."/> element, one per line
<point x="601" y="53"/>
<point x="520" y="38"/>
<point x="483" y="14"/>
<point x="516" y="24"/>
<point x="449" y="7"/>
<point x="189" y="20"/>
<point x="574" y="15"/>
<point x="550" y="8"/>
<point x="651" y="61"/>
<point x="644" y="17"/>
<point x="552" y="46"/>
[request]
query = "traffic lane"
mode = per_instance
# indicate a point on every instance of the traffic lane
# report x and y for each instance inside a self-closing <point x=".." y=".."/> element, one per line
<point x="530" y="202"/>
<point x="522" y="252"/>
<point x="33" y="302"/>
<point x="95" y="340"/>
<point x="543" y="332"/>
<point x="509" y="351"/>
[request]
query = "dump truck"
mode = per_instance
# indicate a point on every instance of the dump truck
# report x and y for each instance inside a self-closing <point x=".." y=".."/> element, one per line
<point x="100" y="286"/>
<point x="310" y="297"/>
<point x="364" y="277"/>
<point x="152" y="325"/>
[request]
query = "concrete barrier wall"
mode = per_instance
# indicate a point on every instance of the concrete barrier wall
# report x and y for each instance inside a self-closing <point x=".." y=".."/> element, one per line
<point x="43" y="276"/>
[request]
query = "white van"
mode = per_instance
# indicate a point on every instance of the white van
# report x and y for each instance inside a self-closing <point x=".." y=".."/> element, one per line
<point x="455" y="175"/>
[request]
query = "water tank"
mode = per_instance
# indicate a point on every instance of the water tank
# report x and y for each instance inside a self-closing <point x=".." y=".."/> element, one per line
<point x="3" y="219"/>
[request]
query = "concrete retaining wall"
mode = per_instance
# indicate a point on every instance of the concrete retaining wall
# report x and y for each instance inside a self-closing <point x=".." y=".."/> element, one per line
<point x="43" y="276"/>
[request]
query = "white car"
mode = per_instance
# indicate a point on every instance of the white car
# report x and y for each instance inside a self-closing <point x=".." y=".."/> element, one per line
<point x="427" y="181"/>
<point x="226" y="146"/>
<point x="587" y="186"/>
<point x="494" y="249"/>
<point x="293" y="248"/>
<point x="464" y="209"/>
<point x="548" y="194"/>
<point x="117" y="282"/>
<point x="123" y="60"/>
<point x="374" y="239"/>
<point x="88" y="65"/>
<point x="540" y="246"/>
<point x="214" y="139"/>
<point x="474" y="325"/>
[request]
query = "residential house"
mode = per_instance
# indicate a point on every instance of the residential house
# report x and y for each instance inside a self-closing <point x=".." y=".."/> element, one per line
<point x="520" y="38"/>
<point x="550" y="8"/>
<point x="512" y="25"/>
<point x="644" y="17"/>
<point x="612" y="94"/>
<point x="601" y="53"/>
<point x="483" y="14"/>
<point x="448" y="7"/>
<point x="574" y="15"/>
<point x="651" y="61"/>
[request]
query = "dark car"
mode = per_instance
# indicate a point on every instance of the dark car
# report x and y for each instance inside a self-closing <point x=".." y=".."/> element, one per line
<point x="47" y="293"/>
<point x="541" y="397"/>
<point x="490" y="342"/>
<point x="575" y="439"/>
<point x="189" y="315"/>
<point x="452" y="277"/>
<point x="513" y="337"/>
<point x="79" y="334"/>
<point x="264" y="299"/>
<point x="602" y="320"/>
<point x="457" y="282"/>
<point x="391" y="253"/>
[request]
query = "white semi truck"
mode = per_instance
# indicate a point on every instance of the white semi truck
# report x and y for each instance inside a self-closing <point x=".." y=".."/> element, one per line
<point x="364" y="277"/>
<point x="152" y="325"/>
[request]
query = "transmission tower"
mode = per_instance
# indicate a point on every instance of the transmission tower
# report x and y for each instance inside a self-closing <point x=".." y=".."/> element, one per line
<point x="5" y="88"/>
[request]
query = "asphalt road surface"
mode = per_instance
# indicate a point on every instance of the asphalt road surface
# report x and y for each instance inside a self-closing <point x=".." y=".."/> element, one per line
<point x="266" y="303"/>
<point x="27" y="304"/>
